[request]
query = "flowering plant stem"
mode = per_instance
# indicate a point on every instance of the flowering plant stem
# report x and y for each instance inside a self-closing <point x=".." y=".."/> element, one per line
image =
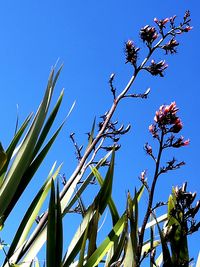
<point x="108" y="117"/>
<point x="150" y="201"/>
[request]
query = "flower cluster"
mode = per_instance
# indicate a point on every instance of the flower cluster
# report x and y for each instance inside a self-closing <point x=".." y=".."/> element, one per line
<point x="167" y="115"/>
<point x="186" y="21"/>
<point x="180" y="142"/>
<point x="170" y="47"/>
<point x="186" y="16"/>
<point x="183" y="27"/>
<point x="148" y="34"/>
<point x="148" y="149"/>
<point x="157" y="68"/>
<point x="167" y="121"/>
<point x="131" y="52"/>
<point x="161" y="23"/>
<point x="172" y="21"/>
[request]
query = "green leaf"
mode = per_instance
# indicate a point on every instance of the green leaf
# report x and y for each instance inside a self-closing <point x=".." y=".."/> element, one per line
<point x="162" y="218"/>
<point x="59" y="230"/>
<point x="83" y="186"/>
<point x="36" y="262"/>
<point x="171" y="206"/>
<point x="30" y="217"/>
<point x="3" y="159"/>
<point x="11" y="150"/>
<point x="133" y="218"/>
<point x="146" y="248"/>
<point x="54" y="230"/>
<point x="92" y="236"/>
<point x="101" y="251"/>
<point x="114" y="253"/>
<point x="178" y="241"/>
<point x="76" y="242"/>
<point x="83" y="246"/>
<point x="198" y="261"/>
<point x="25" y="153"/>
<point x="114" y="234"/>
<point x="48" y="124"/>
<point x="159" y="260"/>
<point x="31" y="249"/>
<point x="104" y="194"/>
<point x="165" y="251"/>
<point x="51" y="227"/>
<point x="111" y="204"/>
<point x="128" y="258"/>
<point x="29" y="173"/>
<point x="99" y="205"/>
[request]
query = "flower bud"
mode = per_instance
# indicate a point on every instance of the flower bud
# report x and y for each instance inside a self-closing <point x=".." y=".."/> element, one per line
<point x="161" y="23"/>
<point x="157" y="68"/>
<point x="170" y="47"/>
<point x="187" y="29"/>
<point x="131" y="52"/>
<point x="184" y="186"/>
<point x="176" y="127"/>
<point x="148" y="149"/>
<point x="148" y="34"/>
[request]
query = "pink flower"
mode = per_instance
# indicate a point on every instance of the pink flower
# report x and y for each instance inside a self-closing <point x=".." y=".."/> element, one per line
<point x="161" y="23"/>
<point x="188" y="28"/>
<point x="148" y="34"/>
<point x="186" y="142"/>
<point x="157" y="68"/>
<point x="164" y="21"/>
<point x="167" y="114"/>
<point x="178" y="125"/>
<point x="155" y="20"/>
<point x="180" y="142"/>
<point x="151" y="128"/>
<point x="143" y="176"/>
<point x="148" y="149"/>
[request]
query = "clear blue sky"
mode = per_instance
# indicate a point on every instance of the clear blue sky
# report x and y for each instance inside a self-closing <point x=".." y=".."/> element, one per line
<point x="88" y="36"/>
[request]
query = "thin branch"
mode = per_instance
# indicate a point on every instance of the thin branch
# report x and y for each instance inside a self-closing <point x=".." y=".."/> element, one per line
<point x="95" y="153"/>
<point x="150" y="202"/>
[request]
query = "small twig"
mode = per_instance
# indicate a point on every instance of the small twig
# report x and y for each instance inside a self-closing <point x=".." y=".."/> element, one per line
<point x="95" y="153"/>
<point x="113" y="89"/>
<point x="78" y="149"/>
<point x="142" y="95"/>
<point x="158" y="205"/>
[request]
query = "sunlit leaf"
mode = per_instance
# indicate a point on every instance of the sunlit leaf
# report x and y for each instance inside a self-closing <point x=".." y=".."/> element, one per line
<point x="198" y="261"/>
<point x="67" y="202"/>
<point x="111" y="204"/>
<point x="3" y="159"/>
<point x="54" y="230"/>
<point x="99" y="205"/>
<point x="128" y="258"/>
<point x="25" y="153"/>
<point x="165" y="251"/>
<point x="30" y="217"/>
<point x="76" y="242"/>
